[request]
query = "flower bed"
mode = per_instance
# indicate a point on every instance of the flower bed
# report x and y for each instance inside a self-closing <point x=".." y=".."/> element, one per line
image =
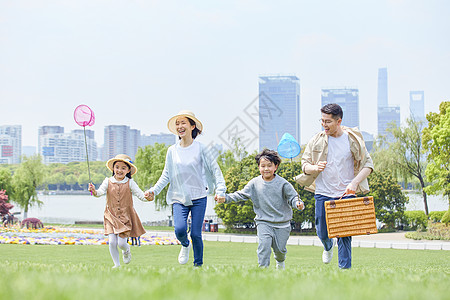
<point x="68" y="236"/>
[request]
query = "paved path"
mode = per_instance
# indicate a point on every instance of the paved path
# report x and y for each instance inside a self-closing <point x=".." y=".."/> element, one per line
<point x="394" y="240"/>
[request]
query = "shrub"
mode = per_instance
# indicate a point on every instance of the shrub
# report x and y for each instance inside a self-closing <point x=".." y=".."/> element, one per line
<point x="416" y="219"/>
<point x="436" y="216"/>
<point x="446" y="217"/>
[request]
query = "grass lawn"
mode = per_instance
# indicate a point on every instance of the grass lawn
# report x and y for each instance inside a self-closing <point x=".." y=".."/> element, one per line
<point x="230" y="272"/>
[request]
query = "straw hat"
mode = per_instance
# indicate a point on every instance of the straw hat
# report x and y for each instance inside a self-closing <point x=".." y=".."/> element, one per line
<point x="184" y="113"/>
<point x="123" y="158"/>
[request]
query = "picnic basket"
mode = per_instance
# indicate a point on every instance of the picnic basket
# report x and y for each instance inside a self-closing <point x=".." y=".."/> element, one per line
<point x="352" y="216"/>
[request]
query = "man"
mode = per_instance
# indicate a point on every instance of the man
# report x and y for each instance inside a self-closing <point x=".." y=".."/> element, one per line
<point x="335" y="164"/>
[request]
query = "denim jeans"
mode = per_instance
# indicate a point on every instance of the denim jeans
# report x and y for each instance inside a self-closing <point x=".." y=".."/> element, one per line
<point x="180" y="216"/>
<point x="344" y="244"/>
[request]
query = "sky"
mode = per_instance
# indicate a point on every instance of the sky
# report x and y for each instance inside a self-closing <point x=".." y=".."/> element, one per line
<point x="138" y="63"/>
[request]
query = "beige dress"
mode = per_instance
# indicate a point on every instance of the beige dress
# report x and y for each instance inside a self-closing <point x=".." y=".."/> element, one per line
<point x="120" y="216"/>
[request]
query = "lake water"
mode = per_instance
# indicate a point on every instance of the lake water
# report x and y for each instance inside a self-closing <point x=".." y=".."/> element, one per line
<point x="67" y="209"/>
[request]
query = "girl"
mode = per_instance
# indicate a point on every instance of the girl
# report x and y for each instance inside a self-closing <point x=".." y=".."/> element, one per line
<point x="120" y="219"/>
<point x="191" y="172"/>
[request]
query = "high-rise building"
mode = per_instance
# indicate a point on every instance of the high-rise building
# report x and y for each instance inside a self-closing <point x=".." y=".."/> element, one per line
<point x="279" y="109"/>
<point x="162" y="138"/>
<point x="417" y="105"/>
<point x="348" y="100"/>
<point x="59" y="147"/>
<point x="10" y="144"/>
<point x="120" y="139"/>
<point x="386" y="114"/>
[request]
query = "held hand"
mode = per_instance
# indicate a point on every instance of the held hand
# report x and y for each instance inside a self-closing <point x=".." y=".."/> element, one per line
<point x="300" y="205"/>
<point x="150" y="196"/>
<point x="321" y="166"/>
<point x="219" y="199"/>
<point x="92" y="189"/>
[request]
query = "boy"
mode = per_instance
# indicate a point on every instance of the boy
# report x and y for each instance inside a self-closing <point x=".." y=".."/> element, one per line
<point x="273" y="198"/>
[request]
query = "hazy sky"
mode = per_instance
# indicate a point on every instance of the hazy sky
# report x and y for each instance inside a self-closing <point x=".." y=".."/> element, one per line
<point x="137" y="63"/>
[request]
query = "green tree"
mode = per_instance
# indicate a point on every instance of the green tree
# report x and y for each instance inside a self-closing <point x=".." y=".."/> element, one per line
<point x="5" y="180"/>
<point x="408" y="153"/>
<point x="56" y="179"/>
<point x="436" y="139"/>
<point x="150" y="162"/>
<point x="389" y="200"/>
<point x="71" y="180"/>
<point x="83" y="180"/>
<point x="238" y="213"/>
<point x="26" y="179"/>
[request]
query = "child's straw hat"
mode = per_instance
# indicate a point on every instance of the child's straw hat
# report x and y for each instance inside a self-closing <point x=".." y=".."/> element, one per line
<point x="123" y="158"/>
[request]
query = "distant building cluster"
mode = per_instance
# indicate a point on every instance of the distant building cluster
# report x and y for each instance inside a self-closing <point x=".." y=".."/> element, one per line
<point x="10" y="144"/>
<point x="279" y="108"/>
<point x="278" y="113"/>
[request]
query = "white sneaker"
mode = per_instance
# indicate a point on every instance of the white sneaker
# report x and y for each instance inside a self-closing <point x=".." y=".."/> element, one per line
<point x="183" y="257"/>
<point x="126" y="256"/>
<point x="280" y="265"/>
<point x="328" y="255"/>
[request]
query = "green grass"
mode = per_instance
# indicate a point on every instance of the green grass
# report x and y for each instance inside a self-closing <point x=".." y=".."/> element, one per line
<point x="230" y="272"/>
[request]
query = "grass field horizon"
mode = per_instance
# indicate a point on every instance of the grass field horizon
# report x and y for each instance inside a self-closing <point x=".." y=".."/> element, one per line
<point x="230" y="272"/>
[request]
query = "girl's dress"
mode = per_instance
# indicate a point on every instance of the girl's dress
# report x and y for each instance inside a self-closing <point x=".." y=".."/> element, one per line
<point x="120" y="217"/>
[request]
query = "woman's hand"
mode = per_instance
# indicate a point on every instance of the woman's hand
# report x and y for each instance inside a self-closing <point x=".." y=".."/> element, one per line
<point x="219" y="199"/>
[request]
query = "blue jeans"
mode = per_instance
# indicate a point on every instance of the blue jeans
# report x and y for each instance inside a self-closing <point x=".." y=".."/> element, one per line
<point x="180" y="216"/>
<point x="344" y="244"/>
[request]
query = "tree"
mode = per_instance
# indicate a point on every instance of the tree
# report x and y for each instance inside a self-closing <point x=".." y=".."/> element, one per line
<point x="150" y="162"/>
<point x="436" y="139"/>
<point x="5" y="180"/>
<point x="70" y="180"/>
<point x="26" y="179"/>
<point x="389" y="200"/>
<point x="56" y="179"/>
<point x="238" y="175"/>
<point x="408" y="153"/>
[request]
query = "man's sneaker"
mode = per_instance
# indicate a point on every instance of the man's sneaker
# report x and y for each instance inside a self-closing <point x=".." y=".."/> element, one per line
<point x="183" y="257"/>
<point x="126" y="256"/>
<point x="328" y="255"/>
<point x="280" y="265"/>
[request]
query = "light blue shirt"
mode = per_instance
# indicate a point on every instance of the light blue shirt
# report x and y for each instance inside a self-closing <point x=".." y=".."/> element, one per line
<point x="180" y="192"/>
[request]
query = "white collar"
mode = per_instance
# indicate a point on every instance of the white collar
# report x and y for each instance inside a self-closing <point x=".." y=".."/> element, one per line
<point x="114" y="180"/>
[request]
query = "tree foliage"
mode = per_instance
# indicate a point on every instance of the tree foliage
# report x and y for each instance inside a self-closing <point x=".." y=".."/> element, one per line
<point x="150" y="162"/>
<point x="408" y="153"/>
<point x="25" y="180"/>
<point x="389" y="200"/>
<point x="436" y="139"/>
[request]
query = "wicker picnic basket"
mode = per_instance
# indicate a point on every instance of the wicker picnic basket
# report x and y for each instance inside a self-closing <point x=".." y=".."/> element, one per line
<point x="348" y="217"/>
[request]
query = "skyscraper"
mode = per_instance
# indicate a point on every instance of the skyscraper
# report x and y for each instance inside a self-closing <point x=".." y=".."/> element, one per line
<point x="162" y="138"/>
<point x="279" y="109"/>
<point x="417" y="105"/>
<point x="120" y="139"/>
<point x="386" y="114"/>
<point x="10" y="144"/>
<point x="348" y="99"/>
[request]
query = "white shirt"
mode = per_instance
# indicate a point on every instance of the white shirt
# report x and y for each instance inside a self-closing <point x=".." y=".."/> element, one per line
<point x="339" y="171"/>
<point x="135" y="190"/>
<point x="191" y="173"/>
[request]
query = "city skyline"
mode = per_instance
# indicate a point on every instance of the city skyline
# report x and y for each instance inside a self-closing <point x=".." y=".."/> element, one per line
<point x="138" y="64"/>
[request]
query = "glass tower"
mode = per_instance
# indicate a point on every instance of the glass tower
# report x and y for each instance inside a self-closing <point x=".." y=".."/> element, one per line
<point x="417" y="105"/>
<point x="279" y="109"/>
<point x="386" y="114"/>
<point x="348" y="99"/>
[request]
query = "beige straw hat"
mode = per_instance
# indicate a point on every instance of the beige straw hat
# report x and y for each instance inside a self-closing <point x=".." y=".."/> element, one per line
<point x="184" y="113"/>
<point x="123" y="158"/>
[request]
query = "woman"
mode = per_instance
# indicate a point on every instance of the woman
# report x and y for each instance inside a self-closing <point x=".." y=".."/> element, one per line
<point x="192" y="173"/>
